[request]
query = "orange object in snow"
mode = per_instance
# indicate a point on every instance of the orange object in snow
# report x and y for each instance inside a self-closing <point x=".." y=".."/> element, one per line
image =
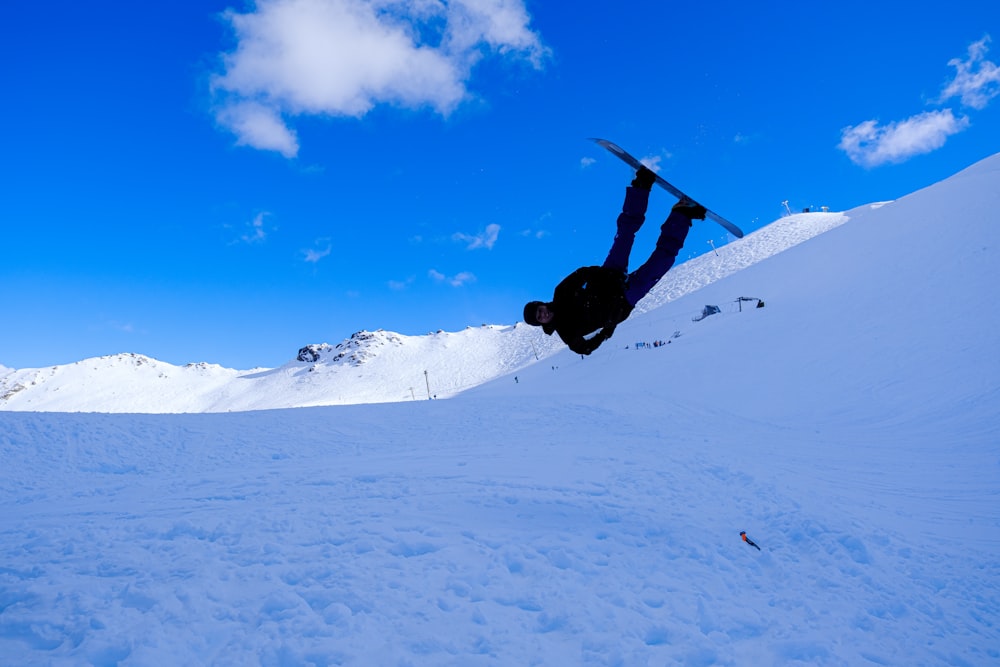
<point x="743" y="534"/>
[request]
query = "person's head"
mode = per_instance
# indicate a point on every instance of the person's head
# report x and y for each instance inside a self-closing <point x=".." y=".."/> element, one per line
<point x="539" y="314"/>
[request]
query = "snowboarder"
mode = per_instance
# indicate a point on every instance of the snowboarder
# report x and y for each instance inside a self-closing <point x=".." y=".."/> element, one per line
<point x="601" y="297"/>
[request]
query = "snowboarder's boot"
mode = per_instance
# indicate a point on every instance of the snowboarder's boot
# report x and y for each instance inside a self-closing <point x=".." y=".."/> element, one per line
<point x="690" y="210"/>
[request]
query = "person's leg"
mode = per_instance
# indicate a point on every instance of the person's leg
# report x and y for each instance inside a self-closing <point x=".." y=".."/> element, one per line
<point x="629" y="221"/>
<point x="672" y="234"/>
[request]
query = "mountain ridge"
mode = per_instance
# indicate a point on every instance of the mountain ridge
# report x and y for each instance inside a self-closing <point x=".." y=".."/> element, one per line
<point x="386" y="366"/>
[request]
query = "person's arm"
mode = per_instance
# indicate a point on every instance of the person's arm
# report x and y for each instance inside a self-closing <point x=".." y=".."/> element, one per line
<point x="585" y="346"/>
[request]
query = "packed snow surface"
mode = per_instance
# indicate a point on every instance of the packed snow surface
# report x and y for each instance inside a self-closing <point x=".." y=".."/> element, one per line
<point x="574" y="511"/>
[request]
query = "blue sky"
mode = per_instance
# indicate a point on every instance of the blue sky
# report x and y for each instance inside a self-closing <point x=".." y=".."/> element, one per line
<point x="226" y="182"/>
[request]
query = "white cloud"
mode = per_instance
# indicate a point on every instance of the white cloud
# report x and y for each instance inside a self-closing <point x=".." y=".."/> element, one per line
<point x="124" y="327"/>
<point x="653" y="162"/>
<point x="456" y="281"/>
<point x="500" y="24"/>
<point x="870" y="145"/>
<point x="485" y="239"/>
<point x="258" y="126"/>
<point x="312" y="255"/>
<point x="977" y="80"/>
<point x="399" y="285"/>
<point x="256" y="233"/>
<point x="343" y="57"/>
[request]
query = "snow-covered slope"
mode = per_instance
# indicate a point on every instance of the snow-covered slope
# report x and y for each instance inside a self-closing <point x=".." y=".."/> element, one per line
<point x="369" y="367"/>
<point x="587" y="513"/>
<point x="891" y="309"/>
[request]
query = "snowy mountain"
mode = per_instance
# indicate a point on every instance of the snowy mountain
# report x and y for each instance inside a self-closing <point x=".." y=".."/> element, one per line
<point x="587" y="513"/>
<point x="369" y="367"/>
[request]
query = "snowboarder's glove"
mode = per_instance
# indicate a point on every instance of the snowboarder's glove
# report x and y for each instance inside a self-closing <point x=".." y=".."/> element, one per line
<point x="644" y="179"/>
<point x="590" y="344"/>
<point x="689" y="209"/>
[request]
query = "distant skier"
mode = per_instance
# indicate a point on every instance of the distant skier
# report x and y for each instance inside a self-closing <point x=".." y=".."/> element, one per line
<point x="601" y="297"/>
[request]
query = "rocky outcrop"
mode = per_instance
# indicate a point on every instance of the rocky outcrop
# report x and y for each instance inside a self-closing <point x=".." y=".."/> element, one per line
<point x="354" y="351"/>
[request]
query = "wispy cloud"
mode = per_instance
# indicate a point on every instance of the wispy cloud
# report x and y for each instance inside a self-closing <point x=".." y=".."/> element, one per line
<point x="313" y="255"/>
<point x="977" y="80"/>
<point x="458" y="280"/>
<point x="344" y="57"/>
<point x="124" y="327"/>
<point x="400" y="285"/>
<point x="540" y="232"/>
<point x="484" y="239"/>
<point x="975" y="83"/>
<point x="254" y="231"/>
<point x="654" y="161"/>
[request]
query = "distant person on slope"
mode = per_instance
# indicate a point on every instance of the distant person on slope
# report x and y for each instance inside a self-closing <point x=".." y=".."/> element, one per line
<point x="601" y="297"/>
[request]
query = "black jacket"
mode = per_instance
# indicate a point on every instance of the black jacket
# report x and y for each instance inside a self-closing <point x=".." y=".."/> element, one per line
<point x="589" y="299"/>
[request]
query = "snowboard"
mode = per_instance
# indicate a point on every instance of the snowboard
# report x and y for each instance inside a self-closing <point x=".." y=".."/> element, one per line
<point x="628" y="159"/>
